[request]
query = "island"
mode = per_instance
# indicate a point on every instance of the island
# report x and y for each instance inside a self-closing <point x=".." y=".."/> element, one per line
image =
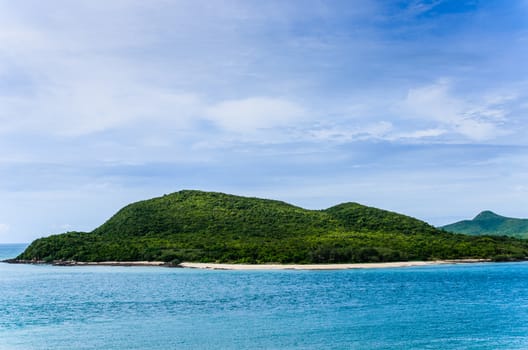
<point x="490" y="223"/>
<point x="210" y="227"/>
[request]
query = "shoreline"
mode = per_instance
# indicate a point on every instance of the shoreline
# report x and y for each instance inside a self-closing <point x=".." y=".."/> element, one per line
<point x="344" y="266"/>
<point x="87" y="263"/>
<point x="115" y="263"/>
<point x="262" y="267"/>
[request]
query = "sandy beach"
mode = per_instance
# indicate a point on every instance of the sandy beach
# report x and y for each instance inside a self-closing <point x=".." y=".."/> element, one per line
<point x="213" y="266"/>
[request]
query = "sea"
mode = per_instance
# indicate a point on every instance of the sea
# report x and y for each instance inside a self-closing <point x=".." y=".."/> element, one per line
<point x="470" y="306"/>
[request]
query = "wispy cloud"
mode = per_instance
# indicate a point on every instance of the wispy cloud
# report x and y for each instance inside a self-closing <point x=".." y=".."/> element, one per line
<point x="108" y="102"/>
<point x="421" y="134"/>
<point x="379" y="130"/>
<point x="478" y="121"/>
<point x="254" y="113"/>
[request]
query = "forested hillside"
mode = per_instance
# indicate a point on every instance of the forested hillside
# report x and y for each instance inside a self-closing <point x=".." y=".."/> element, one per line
<point x="216" y="227"/>
<point x="489" y="223"/>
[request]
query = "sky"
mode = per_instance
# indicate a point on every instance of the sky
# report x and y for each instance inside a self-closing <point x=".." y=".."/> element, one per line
<point x="419" y="107"/>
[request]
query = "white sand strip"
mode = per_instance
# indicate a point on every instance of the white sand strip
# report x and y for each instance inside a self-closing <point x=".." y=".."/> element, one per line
<point x="213" y="266"/>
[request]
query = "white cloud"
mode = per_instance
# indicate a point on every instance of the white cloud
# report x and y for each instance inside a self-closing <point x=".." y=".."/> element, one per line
<point x="86" y="107"/>
<point x="77" y="82"/>
<point x="382" y="130"/>
<point x="478" y="121"/>
<point x="378" y="130"/>
<point x="81" y="81"/>
<point x="251" y="114"/>
<point x="418" y="7"/>
<point x="418" y="134"/>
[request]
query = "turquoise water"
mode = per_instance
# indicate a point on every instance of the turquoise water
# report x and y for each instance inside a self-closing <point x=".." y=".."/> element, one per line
<point x="478" y="306"/>
<point x="8" y="251"/>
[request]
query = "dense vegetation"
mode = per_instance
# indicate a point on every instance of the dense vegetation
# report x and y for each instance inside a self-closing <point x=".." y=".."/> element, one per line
<point x="216" y="227"/>
<point x="489" y="223"/>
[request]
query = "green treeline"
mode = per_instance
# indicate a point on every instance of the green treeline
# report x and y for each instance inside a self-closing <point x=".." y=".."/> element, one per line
<point x="489" y="223"/>
<point x="215" y="227"/>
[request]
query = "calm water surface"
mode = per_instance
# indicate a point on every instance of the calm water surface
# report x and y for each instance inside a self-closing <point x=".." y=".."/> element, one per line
<point x="478" y="306"/>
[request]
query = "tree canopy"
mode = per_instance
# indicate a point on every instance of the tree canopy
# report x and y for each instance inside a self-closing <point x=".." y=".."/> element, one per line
<point x="489" y="223"/>
<point x="215" y="227"/>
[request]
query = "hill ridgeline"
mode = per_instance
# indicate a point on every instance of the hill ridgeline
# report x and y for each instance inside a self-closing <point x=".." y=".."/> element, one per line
<point x="489" y="223"/>
<point x="201" y="226"/>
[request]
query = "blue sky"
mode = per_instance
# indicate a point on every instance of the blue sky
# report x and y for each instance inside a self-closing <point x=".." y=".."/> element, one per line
<point x="414" y="106"/>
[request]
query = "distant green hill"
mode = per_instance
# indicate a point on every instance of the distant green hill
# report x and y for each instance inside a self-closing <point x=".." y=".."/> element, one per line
<point x="209" y="227"/>
<point x="489" y="223"/>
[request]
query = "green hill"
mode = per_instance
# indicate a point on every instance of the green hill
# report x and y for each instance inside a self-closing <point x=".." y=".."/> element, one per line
<point x="216" y="227"/>
<point x="489" y="223"/>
